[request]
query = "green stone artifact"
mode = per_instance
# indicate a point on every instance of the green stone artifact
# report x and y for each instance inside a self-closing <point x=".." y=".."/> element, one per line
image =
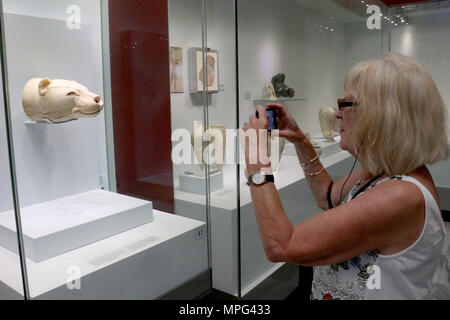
<point x="281" y="89"/>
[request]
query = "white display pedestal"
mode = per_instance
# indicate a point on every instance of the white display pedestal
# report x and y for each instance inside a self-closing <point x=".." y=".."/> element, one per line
<point x="142" y="263"/>
<point x="197" y="184"/>
<point x="54" y="227"/>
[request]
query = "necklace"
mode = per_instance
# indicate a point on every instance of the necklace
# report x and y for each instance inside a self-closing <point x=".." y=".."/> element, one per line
<point x="356" y="190"/>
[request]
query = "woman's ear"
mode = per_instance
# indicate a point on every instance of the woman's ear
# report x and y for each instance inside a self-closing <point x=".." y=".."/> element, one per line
<point x="43" y="86"/>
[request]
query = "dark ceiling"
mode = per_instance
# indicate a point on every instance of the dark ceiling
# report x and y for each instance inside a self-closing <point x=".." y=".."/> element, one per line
<point x="391" y="3"/>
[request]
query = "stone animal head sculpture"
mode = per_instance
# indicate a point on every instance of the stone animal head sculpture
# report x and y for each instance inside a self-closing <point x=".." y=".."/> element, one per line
<point x="59" y="100"/>
<point x="281" y="89"/>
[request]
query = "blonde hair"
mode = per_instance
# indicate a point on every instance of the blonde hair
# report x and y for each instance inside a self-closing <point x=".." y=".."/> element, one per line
<point x="402" y="120"/>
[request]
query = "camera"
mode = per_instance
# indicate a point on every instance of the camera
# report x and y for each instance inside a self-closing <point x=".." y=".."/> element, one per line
<point x="272" y="118"/>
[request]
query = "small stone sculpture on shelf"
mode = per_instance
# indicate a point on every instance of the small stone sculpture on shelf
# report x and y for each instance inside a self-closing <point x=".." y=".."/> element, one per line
<point x="59" y="100"/>
<point x="280" y="87"/>
<point x="327" y="121"/>
<point x="315" y="144"/>
<point x="200" y="140"/>
<point x="271" y="91"/>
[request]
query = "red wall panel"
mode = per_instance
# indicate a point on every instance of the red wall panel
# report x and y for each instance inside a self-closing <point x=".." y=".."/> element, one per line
<point x="141" y="100"/>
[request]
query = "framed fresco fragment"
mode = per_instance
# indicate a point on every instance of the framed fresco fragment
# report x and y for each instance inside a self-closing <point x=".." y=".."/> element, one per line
<point x="176" y="70"/>
<point x="197" y="77"/>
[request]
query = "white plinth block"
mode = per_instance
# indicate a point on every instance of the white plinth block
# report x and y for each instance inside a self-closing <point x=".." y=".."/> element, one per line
<point x="55" y="227"/>
<point x="197" y="185"/>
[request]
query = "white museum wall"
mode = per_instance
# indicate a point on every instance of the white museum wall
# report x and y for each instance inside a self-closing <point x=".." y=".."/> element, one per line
<point x="53" y="161"/>
<point x="292" y="39"/>
<point x="427" y="39"/>
<point x="362" y="44"/>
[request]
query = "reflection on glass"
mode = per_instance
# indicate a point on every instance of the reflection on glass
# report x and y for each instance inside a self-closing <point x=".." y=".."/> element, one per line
<point x="306" y="46"/>
<point x="309" y="46"/>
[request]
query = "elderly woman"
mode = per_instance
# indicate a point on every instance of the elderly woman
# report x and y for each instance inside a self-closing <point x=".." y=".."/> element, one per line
<point x="383" y="219"/>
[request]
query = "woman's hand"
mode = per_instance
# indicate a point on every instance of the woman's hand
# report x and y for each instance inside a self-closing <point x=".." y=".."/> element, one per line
<point x="287" y="125"/>
<point x="255" y="142"/>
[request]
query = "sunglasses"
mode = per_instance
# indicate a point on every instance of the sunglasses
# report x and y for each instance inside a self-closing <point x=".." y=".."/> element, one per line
<point x="346" y="104"/>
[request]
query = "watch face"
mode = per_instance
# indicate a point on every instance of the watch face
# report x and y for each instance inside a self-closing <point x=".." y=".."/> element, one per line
<point x="258" y="178"/>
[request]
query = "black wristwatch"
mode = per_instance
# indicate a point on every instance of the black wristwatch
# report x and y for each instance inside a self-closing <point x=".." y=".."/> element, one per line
<point x="259" y="178"/>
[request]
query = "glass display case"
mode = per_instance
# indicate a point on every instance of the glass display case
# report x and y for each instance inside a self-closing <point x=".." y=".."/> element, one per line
<point x="123" y="173"/>
<point x="90" y="122"/>
<point x="313" y="44"/>
<point x="10" y="267"/>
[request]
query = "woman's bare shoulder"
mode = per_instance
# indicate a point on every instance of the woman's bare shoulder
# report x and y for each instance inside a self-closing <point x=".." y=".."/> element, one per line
<point x="423" y="175"/>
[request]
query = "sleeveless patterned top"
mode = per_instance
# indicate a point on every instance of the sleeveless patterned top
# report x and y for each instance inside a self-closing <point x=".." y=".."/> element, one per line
<point x="404" y="275"/>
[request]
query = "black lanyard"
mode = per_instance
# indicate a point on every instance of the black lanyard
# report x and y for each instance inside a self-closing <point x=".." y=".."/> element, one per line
<point x="365" y="186"/>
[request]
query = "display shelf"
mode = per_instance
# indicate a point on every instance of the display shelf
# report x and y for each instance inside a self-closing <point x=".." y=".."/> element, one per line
<point x="134" y="264"/>
<point x="54" y="227"/>
<point x="267" y="100"/>
<point x="43" y="123"/>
